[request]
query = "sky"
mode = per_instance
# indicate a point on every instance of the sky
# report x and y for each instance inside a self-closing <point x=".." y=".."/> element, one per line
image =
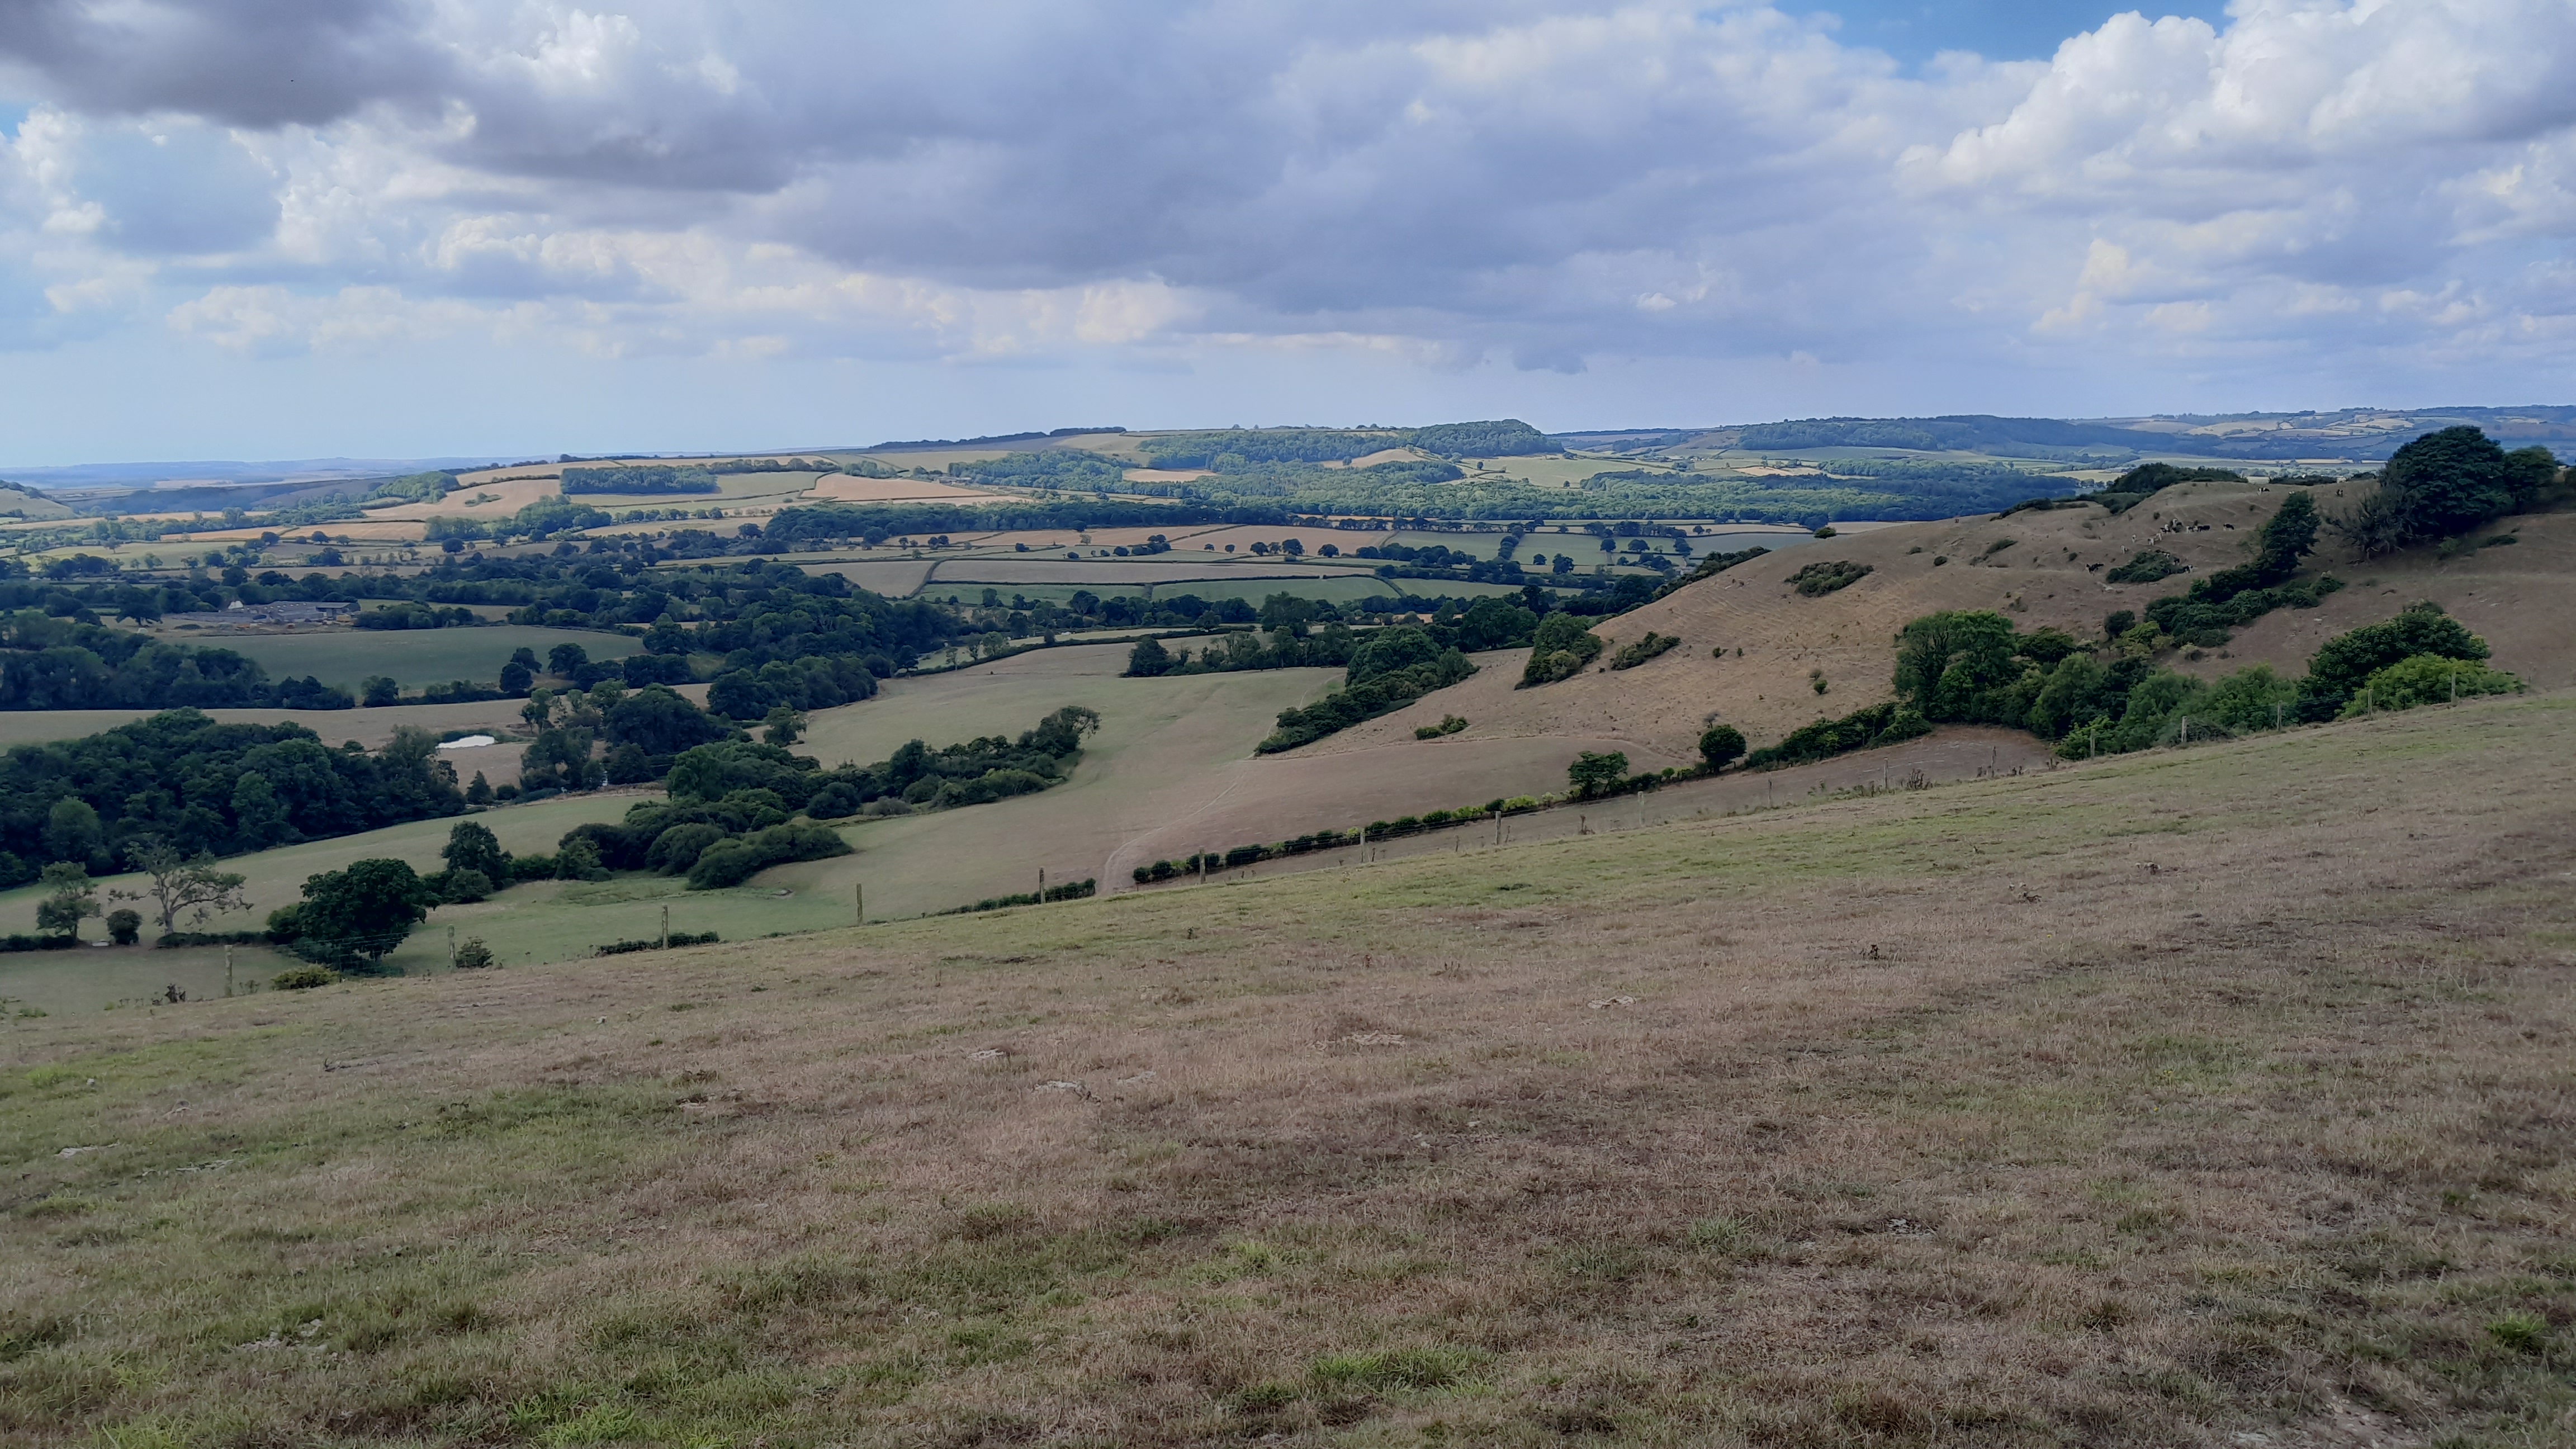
<point x="403" y="228"/>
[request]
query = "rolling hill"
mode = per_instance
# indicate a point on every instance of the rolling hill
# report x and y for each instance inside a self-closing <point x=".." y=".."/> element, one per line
<point x="2051" y="572"/>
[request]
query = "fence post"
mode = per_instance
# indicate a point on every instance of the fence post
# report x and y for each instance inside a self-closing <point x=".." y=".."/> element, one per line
<point x="228" y="968"/>
<point x="666" y="928"/>
<point x="451" y="947"/>
<point x="859" y="890"/>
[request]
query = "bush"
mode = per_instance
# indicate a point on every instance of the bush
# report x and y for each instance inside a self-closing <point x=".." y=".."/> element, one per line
<point x="1651" y="646"/>
<point x="1720" y="746"/>
<point x="1559" y="650"/>
<point x="1880" y="724"/>
<point x="1449" y="724"/>
<point x="731" y="862"/>
<point x="462" y="887"/>
<point x="1594" y="774"/>
<point x="2146" y="567"/>
<point x="173" y="940"/>
<point x="124" y="927"/>
<point x="473" y="955"/>
<point x="1368" y="695"/>
<point x="2417" y="679"/>
<point x="1819" y="579"/>
<point x="303" y="978"/>
<point x="2339" y="668"/>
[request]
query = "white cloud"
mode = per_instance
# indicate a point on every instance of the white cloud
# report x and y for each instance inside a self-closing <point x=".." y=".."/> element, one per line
<point x="1559" y="183"/>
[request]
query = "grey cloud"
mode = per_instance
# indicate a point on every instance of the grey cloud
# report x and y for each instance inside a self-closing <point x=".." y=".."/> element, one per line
<point x="257" y="63"/>
<point x="1547" y="182"/>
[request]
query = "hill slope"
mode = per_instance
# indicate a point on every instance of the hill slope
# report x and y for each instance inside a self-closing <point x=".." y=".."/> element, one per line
<point x="2052" y="573"/>
<point x="2161" y="1101"/>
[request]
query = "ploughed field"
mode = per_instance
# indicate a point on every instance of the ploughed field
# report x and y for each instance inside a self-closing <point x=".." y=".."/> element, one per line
<point x="2166" y="1100"/>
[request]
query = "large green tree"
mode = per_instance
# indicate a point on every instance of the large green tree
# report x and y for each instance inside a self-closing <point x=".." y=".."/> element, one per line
<point x="2447" y="483"/>
<point x="359" y="913"/>
<point x="69" y="899"/>
<point x="471" y="845"/>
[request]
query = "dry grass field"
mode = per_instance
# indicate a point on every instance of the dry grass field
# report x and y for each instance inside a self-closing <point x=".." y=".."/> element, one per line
<point x="2215" y="1097"/>
<point x="849" y="488"/>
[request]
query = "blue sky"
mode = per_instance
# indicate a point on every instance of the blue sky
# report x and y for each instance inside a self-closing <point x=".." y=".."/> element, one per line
<point x="298" y="228"/>
<point x="1913" y="31"/>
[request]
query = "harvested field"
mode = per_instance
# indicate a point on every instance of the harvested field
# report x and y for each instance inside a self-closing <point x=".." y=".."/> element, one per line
<point x="848" y="488"/>
<point x="473" y="500"/>
<point x="894" y="578"/>
<point x="2172" y="1100"/>
<point x="1159" y="569"/>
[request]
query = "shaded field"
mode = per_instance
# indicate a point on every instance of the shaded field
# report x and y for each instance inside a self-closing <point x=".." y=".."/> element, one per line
<point x="2162" y="1101"/>
<point x="369" y="727"/>
<point x="413" y="657"/>
<point x="275" y="878"/>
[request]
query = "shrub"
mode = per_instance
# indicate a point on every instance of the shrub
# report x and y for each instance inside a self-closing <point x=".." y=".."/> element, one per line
<point x="125" y="926"/>
<point x="473" y="955"/>
<point x="1559" y="650"/>
<point x="731" y="862"/>
<point x="1649" y="647"/>
<point x="2147" y="566"/>
<point x="678" y="848"/>
<point x="1449" y="724"/>
<point x="1880" y="724"/>
<point x="1819" y="579"/>
<point x="1592" y="774"/>
<point x="1720" y="746"/>
<point x="303" y="978"/>
<point x="2417" y="679"/>
<point x="2339" y="668"/>
<point x="463" y="887"/>
<point x="1368" y="694"/>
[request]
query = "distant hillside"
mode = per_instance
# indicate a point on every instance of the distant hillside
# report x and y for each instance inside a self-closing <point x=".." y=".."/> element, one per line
<point x="2358" y="435"/>
<point x="17" y="502"/>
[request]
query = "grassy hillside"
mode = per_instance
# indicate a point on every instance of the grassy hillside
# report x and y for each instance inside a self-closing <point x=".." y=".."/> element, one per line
<point x="2181" y="1098"/>
<point x="2050" y="570"/>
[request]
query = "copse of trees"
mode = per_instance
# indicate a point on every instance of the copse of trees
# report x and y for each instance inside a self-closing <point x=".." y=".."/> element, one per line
<point x="2203" y="614"/>
<point x="2340" y="667"/>
<point x="1388" y="670"/>
<point x="181" y="778"/>
<point x="2445" y="483"/>
<point x="1559" y="649"/>
<point x="1974" y="667"/>
<point x="55" y="663"/>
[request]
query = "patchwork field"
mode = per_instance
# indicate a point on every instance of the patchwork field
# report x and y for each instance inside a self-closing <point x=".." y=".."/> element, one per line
<point x="2173" y="1100"/>
<point x="847" y="488"/>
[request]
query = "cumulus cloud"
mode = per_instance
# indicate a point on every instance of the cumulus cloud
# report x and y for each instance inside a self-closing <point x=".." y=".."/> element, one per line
<point x="1550" y="182"/>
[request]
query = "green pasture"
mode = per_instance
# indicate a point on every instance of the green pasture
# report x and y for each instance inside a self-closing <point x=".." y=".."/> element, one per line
<point x="275" y="878"/>
<point x="413" y="657"/>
